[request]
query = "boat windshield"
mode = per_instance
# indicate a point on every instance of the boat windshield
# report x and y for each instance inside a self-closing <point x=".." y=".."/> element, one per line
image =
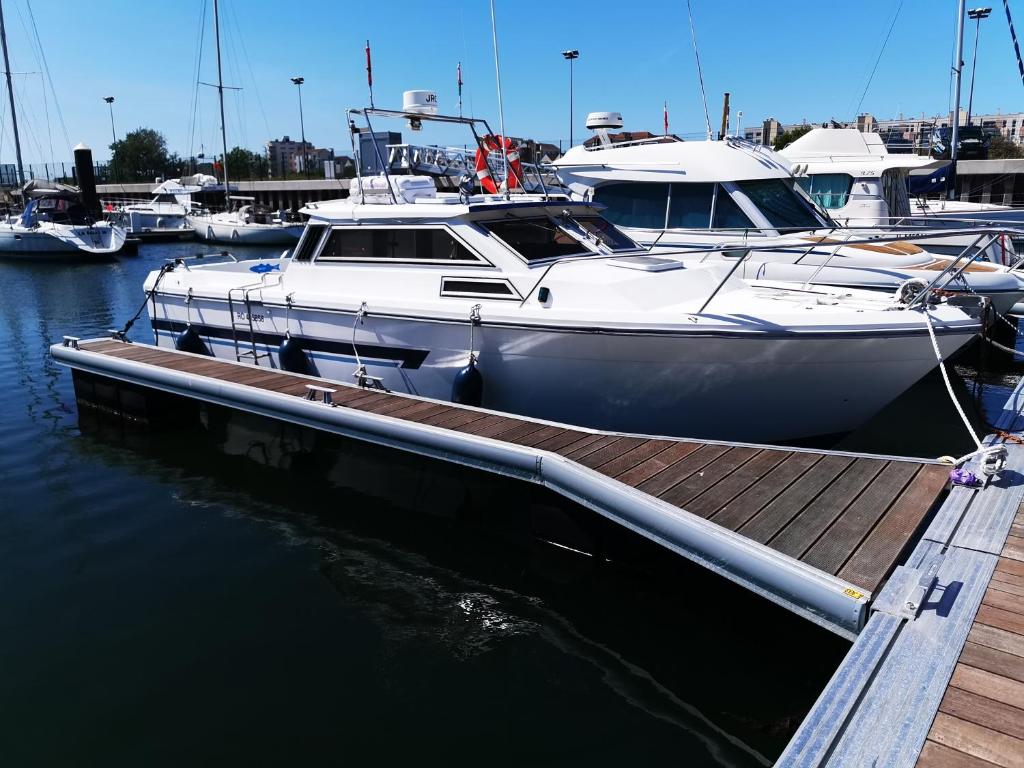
<point x="540" y="238"/>
<point x="781" y="206"/>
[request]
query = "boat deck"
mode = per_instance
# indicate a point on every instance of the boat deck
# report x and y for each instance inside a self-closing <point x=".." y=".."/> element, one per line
<point x="842" y="520"/>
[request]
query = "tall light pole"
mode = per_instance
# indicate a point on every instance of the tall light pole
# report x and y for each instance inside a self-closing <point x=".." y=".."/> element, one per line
<point x="954" y="117"/>
<point x="110" y="103"/>
<point x="302" y="126"/>
<point x="570" y="56"/>
<point x="977" y="14"/>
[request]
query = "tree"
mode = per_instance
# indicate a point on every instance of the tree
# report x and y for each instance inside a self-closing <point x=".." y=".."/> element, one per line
<point x="1001" y="148"/>
<point x="788" y="137"/>
<point x="244" y="164"/>
<point x="140" y="156"/>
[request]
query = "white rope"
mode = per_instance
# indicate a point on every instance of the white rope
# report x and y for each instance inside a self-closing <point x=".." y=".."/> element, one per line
<point x="360" y="368"/>
<point x="949" y="384"/>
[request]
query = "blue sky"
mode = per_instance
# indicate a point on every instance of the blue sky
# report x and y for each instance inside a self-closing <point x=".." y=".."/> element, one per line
<point x="792" y="59"/>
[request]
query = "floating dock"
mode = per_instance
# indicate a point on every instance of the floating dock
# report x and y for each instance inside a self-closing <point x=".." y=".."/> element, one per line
<point x="936" y="678"/>
<point x="817" y="532"/>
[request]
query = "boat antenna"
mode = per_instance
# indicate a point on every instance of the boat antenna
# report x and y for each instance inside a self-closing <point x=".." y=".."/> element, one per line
<point x="458" y="78"/>
<point x="369" y="72"/>
<point x="10" y="94"/>
<point x="501" y="109"/>
<point x="700" y="72"/>
<point x="220" y="95"/>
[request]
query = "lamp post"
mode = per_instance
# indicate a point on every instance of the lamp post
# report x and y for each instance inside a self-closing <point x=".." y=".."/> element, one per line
<point x="110" y="103"/>
<point x="302" y="126"/>
<point x="570" y="56"/>
<point x="977" y="14"/>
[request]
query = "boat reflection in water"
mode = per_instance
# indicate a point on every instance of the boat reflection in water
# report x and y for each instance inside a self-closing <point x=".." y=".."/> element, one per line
<point x="506" y="613"/>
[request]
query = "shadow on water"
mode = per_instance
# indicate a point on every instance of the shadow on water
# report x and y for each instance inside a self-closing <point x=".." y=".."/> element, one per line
<point x="475" y="571"/>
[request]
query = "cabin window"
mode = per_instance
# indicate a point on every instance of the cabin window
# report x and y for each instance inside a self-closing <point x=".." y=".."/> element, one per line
<point x="497" y="289"/>
<point x="780" y="205"/>
<point x="311" y="238"/>
<point x="829" y="190"/>
<point x="634" y="204"/>
<point x="728" y="214"/>
<point x="400" y="244"/>
<point x="609" y="235"/>
<point x="689" y="206"/>
<point x="536" y="239"/>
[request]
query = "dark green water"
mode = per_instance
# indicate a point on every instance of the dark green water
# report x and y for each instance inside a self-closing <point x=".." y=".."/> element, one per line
<point x="243" y="594"/>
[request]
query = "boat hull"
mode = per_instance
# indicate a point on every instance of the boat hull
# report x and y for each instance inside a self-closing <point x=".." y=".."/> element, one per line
<point x="215" y="231"/>
<point x="47" y="239"/>
<point x="758" y="387"/>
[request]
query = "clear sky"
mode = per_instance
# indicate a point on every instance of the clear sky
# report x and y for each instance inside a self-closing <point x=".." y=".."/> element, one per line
<point x="791" y="59"/>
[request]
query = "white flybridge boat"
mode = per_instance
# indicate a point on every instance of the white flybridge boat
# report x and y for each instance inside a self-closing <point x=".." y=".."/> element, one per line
<point x="667" y="193"/>
<point x="55" y="222"/>
<point x="854" y="177"/>
<point x="163" y="217"/>
<point x="534" y="304"/>
<point x="250" y="224"/>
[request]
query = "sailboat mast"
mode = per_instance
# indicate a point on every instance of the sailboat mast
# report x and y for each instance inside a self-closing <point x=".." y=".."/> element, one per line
<point x="220" y="94"/>
<point x="10" y="94"/>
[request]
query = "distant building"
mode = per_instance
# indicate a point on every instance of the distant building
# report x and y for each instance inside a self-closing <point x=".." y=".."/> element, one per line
<point x="281" y="155"/>
<point x="907" y="134"/>
<point x="770" y="130"/>
<point x="317" y="159"/>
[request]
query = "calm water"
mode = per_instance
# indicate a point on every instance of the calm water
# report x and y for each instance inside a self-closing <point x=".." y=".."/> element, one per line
<point x="242" y="593"/>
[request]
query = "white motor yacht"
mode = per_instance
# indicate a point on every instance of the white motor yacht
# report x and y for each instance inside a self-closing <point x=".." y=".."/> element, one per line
<point x="163" y="217"/>
<point x="55" y="222"/>
<point x="668" y="193"/>
<point x="537" y="305"/>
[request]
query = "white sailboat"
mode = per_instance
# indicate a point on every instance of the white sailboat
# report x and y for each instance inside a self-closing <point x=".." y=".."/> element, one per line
<point x="53" y="220"/>
<point x="537" y="305"/>
<point x="250" y="224"/>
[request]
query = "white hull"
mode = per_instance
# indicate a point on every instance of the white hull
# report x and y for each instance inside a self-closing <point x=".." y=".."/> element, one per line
<point x="770" y="262"/>
<point x="213" y="229"/>
<point x="49" y="238"/>
<point x="149" y="222"/>
<point x="734" y="386"/>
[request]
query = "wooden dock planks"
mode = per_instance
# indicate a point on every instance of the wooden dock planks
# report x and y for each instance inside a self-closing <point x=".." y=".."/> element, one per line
<point x="848" y="516"/>
<point x="980" y="721"/>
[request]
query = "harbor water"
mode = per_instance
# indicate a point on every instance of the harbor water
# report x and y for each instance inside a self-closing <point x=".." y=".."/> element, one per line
<point x="233" y="592"/>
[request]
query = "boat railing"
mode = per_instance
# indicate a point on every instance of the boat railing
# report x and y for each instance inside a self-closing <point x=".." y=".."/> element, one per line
<point x="458" y="161"/>
<point x="669" y="139"/>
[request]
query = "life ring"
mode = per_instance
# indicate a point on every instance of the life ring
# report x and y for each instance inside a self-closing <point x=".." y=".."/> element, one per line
<point x="483" y="171"/>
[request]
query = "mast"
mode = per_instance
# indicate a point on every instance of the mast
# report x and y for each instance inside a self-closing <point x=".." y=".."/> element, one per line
<point x="10" y="94"/>
<point x="954" y="120"/>
<point x="220" y="94"/>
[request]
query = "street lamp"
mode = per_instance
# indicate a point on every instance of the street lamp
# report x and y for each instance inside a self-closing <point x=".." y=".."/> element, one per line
<point x="302" y="126"/>
<point x="570" y="56"/>
<point x="977" y="14"/>
<point x="110" y="103"/>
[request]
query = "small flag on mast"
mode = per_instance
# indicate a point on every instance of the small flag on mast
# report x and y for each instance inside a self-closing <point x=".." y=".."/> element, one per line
<point x="369" y="71"/>
<point x="666" y="118"/>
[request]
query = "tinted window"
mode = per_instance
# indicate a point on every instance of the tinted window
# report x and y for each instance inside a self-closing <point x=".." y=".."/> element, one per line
<point x="829" y="190"/>
<point x="605" y="231"/>
<point x="780" y="205"/>
<point x="728" y="215"/>
<point x="690" y="206"/>
<point x="310" y="239"/>
<point x="535" y="239"/>
<point x="634" y="204"/>
<point x="399" y="244"/>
